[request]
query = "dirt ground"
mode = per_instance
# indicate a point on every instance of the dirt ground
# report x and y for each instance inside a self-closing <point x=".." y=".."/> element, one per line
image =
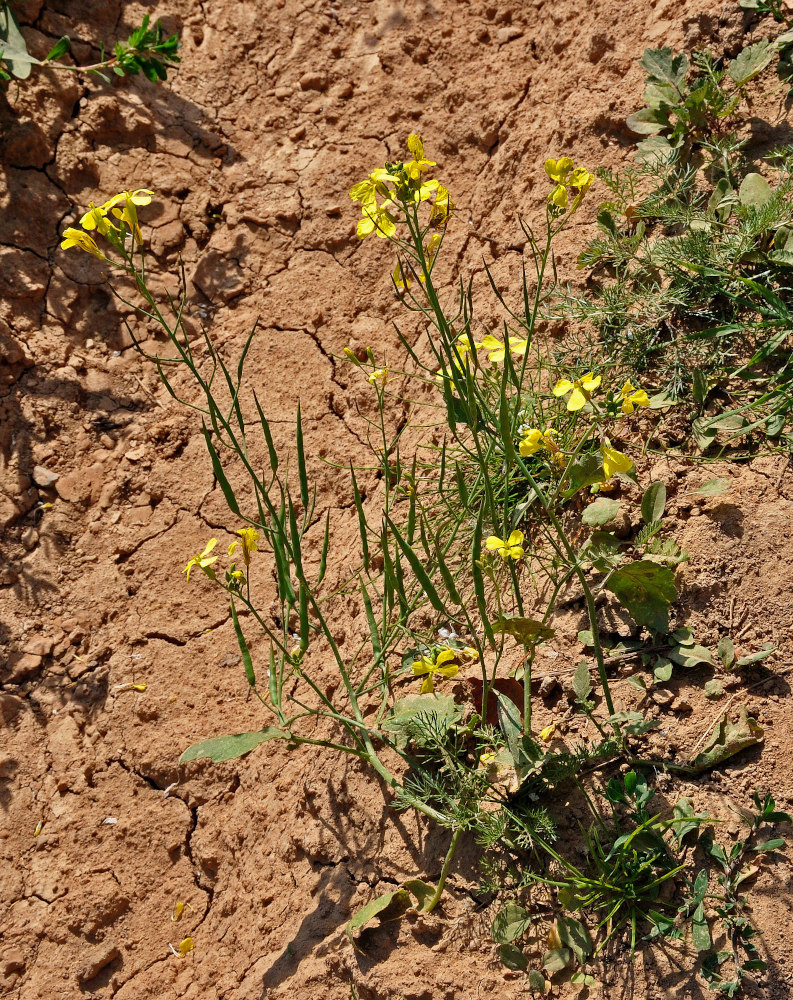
<point x="277" y="108"/>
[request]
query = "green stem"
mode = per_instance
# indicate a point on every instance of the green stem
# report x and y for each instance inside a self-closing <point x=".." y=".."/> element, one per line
<point x="444" y="871"/>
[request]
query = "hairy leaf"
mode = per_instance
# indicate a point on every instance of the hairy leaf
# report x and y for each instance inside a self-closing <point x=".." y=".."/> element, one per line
<point x="646" y="590"/>
<point x="727" y="739"/>
<point x="601" y="511"/>
<point x="221" y="748"/>
<point x="390" y="906"/>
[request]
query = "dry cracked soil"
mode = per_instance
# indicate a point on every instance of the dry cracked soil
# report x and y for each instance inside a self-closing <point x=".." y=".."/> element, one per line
<point x="106" y="490"/>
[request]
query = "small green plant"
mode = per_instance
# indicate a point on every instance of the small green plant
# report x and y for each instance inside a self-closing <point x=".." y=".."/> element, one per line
<point x="145" y="51"/>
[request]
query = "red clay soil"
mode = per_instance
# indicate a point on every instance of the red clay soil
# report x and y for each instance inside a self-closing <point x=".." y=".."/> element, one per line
<point x="106" y="490"/>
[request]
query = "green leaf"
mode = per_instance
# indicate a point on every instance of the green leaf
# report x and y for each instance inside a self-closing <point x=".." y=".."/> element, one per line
<point x="687" y="821"/>
<point x="663" y="66"/>
<point x="700" y="932"/>
<point x="714" y="689"/>
<point x="221" y="748"/>
<point x="661" y="95"/>
<point x="713" y="488"/>
<point x="721" y="201"/>
<point x="653" y="503"/>
<point x="60" y="48"/>
<point x="445" y="711"/>
<point x="510" y="723"/>
<point x="648" y="121"/>
<point x="726" y="652"/>
<point x="727" y="739"/>
<point x="769" y="845"/>
<point x="761" y="654"/>
<point x="586" y="638"/>
<point x="655" y="150"/>
<point x="646" y="589"/>
<point x="633" y="723"/>
<point x="601" y="511"/>
<point x="585" y="471"/>
<point x="557" y="959"/>
<point x="755" y="191"/>
<point x="662" y="671"/>
<point x="784" y="257"/>
<point x="511" y="922"/>
<point x="513" y="958"/>
<point x="220" y="475"/>
<point x="691" y="656"/>
<point x="537" y="981"/>
<point x="13" y="48"/>
<point x="526" y="630"/>
<point x="246" y="653"/>
<point x="751" y="61"/>
<point x="582" y="682"/>
<point x="576" y="937"/>
<point x="582" y="979"/>
<point x="390" y="906"/>
<point x="423" y="892"/>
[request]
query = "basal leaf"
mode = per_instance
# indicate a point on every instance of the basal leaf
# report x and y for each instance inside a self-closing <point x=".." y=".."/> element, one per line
<point x="648" y="121"/>
<point x="390" y="906"/>
<point x="751" y="61"/>
<point x="513" y="958"/>
<point x="422" y="890"/>
<point x="13" y="48"/>
<point x="601" y="511"/>
<point x="525" y="630"/>
<point x="691" y="656"/>
<point x="221" y="748"/>
<point x="727" y="739"/>
<point x="754" y="191"/>
<point x="537" y="981"/>
<point x="443" y="708"/>
<point x="582" y="682"/>
<point x="663" y="66"/>
<point x="556" y="959"/>
<point x="700" y="932"/>
<point x="646" y="590"/>
<point x="653" y="503"/>
<point x="576" y="937"/>
<point x="511" y="922"/>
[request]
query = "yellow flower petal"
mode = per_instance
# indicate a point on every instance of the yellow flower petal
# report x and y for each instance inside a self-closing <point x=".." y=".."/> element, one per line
<point x="562" y="387"/>
<point x="614" y="461"/>
<point x="577" y="399"/>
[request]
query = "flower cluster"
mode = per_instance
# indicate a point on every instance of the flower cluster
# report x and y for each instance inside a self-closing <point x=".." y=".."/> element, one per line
<point x="567" y="177"/>
<point x="400" y="186"/>
<point x="99" y="218"/>
<point x="510" y="548"/>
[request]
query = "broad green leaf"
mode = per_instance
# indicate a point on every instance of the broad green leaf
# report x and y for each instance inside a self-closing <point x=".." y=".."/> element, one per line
<point x="769" y="845"/>
<point x="576" y="937"/>
<point x="601" y="511"/>
<point x="582" y="682"/>
<point x="585" y="471"/>
<point x="586" y="638"/>
<point x="664" y="66"/>
<point x="511" y="922"/>
<point x="513" y="958"/>
<point x="526" y="630"/>
<point x="754" y="191"/>
<point x="537" y="981"/>
<point x="633" y="723"/>
<point x="751" y="61"/>
<point x="713" y="488"/>
<point x="700" y="932"/>
<point x="646" y="590"/>
<point x="652" y="151"/>
<point x="653" y="503"/>
<point x="782" y="257"/>
<point x="390" y="906"/>
<point x="691" y="656"/>
<point x="221" y="748"/>
<point x="661" y="95"/>
<point x="714" y="689"/>
<point x="422" y="890"/>
<point x="13" y="48"/>
<point x="556" y="959"/>
<point x="727" y="739"/>
<point x="648" y="121"/>
<point x="582" y="979"/>
<point x="510" y="723"/>
<point x="60" y="48"/>
<point x="662" y="671"/>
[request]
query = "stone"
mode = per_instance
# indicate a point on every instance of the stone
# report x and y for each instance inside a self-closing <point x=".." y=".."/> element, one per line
<point x="19" y="667"/>
<point x="13" y="960"/>
<point x="96" y="960"/>
<point x="547" y="686"/>
<point x="219" y="277"/>
<point x="10" y="706"/>
<point x="30" y="538"/>
<point x="45" y="478"/>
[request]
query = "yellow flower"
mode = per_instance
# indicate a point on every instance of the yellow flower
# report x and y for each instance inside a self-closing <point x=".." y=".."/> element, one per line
<point x="633" y="397"/>
<point x="77" y="238"/>
<point x="613" y="460"/>
<point x="418" y="164"/>
<point x="442" y="207"/>
<point x="431" y="247"/>
<point x="376" y="220"/>
<point x="535" y="440"/>
<point x="512" y="548"/>
<point x="95" y="218"/>
<point x="203" y="560"/>
<point x="430" y="665"/>
<point x="498" y="350"/>
<point x="564" y="176"/>
<point x="423" y="190"/>
<point x="379" y="375"/>
<point x="250" y="536"/>
<point x="547" y="733"/>
<point x="129" y="216"/>
<point x="366" y="191"/>
<point x="580" y="390"/>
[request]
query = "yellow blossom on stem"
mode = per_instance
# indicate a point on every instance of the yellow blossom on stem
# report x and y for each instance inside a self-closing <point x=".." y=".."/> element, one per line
<point x="376" y="220"/>
<point x="203" y="561"/>
<point x="366" y="191"/>
<point x="580" y="389"/>
<point x="547" y="733"/>
<point x="535" y="440"/>
<point x="442" y="207"/>
<point x="77" y="238"/>
<point x="418" y="164"/>
<point x="379" y="375"/>
<point x="129" y="216"/>
<point x="431" y="247"/>
<point x="512" y="548"/>
<point x="497" y="350"/>
<point x="565" y="176"/>
<point x="632" y="397"/>
<point x="249" y="536"/>
<point x="430" y="665"/>
<point x="613" y="461"/>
